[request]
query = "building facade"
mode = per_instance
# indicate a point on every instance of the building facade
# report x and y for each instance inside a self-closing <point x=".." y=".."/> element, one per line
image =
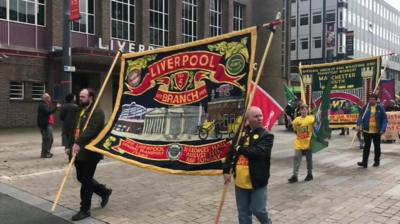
<point x="31" y="40"/>
<point x="318" y="30"/>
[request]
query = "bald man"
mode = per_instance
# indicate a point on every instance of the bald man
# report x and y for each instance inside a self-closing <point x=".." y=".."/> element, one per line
<point x="250" y="164"/>
<point x="45" y="121"/>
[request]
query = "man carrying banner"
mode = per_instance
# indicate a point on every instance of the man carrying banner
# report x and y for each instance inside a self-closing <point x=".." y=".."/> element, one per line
<point x="86" y="161"/>
<point x="250" y="161"/>
<point x="373" y="121"/>
<point x="303" y="126"/>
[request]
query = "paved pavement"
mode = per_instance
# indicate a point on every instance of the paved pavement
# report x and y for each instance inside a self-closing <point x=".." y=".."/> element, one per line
<point x="340" y="192"/>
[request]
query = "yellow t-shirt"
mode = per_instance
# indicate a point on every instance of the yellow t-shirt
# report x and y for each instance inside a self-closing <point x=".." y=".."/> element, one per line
<point x="242" y="178"/>
<point x="303" y="128"/>
<point x="372" y="122"/>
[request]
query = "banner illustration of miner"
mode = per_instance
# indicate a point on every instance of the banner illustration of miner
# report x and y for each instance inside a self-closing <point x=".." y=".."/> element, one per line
<point x="352" y="82"/>
<point x="178" y="107"/>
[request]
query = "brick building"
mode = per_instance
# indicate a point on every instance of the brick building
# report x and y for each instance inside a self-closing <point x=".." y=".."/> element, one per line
<point x="31" y="35"/>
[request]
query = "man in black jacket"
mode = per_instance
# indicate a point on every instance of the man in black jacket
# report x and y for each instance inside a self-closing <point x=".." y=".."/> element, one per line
<point x="67" y="113"/>
<point x="45" y="122"/>
<point x="86" y="161"/>
<point x="250" y="163"/>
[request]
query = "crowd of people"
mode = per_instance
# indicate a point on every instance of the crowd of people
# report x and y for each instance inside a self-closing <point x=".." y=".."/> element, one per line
<point x="248" y="162"/>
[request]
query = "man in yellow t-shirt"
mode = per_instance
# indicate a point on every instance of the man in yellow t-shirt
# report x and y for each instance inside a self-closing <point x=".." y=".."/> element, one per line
<point x="303" y="126"/>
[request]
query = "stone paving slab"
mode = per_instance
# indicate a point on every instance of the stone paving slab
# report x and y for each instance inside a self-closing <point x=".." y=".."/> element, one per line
<point x="340" y="193"/>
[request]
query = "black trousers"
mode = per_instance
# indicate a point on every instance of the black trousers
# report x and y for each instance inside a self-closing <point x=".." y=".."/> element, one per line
<point x="368" y="138"/>
<point x="85" y="172"/>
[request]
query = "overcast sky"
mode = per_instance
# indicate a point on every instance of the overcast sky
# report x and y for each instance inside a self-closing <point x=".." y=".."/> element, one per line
<point x="395" y="3"/>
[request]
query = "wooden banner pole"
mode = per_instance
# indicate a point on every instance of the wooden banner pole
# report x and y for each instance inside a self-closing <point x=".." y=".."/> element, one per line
<point x="68" y="171"/>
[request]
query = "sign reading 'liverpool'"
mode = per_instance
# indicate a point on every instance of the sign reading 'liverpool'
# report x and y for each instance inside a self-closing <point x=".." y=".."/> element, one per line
<point x="178" y="107"/>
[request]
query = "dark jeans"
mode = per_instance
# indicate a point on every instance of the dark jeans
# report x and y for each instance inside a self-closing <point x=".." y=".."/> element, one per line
<point x="47" y="139"/>
<point x="85" y="171"/>
<point x="376" y="138"/>
<point x="252" y="202"/>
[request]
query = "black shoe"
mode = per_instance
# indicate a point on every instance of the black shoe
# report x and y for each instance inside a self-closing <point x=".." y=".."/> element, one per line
<point x="376" y="164"/>
<point x="105" y="198"/>
<point x="80" y="215"/>
<point x="49" y="155"/>
<point x="362" y="164"/>
<point x="308" y="177"/>
<point x="293" y="179"/>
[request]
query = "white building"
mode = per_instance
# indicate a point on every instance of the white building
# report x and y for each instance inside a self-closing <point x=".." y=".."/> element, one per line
<point x="318" y="31"/>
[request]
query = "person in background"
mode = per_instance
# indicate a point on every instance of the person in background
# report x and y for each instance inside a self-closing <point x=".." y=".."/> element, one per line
<point x="303" y="127"/>
<point x="67" y="113"/>
<point x="373" y="121"/>
<point x="45" y="121"/>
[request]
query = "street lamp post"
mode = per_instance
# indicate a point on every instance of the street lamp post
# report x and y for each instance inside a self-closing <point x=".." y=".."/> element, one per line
<point x="66" y="81"/>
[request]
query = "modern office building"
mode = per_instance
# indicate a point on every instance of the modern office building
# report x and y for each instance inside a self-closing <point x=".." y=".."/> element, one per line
<point x="31" y="40"/>
<point x="318" y="31"/>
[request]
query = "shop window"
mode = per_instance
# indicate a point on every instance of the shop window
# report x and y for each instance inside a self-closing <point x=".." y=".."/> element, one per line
<point x="38" y="89"/>
<point x="16" y="90"/>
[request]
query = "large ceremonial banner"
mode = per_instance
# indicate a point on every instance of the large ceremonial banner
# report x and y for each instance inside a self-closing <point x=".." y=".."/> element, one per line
<point x="393" y="126"/>
<point x="178" y="107"/>
<point x="352" y="82"/>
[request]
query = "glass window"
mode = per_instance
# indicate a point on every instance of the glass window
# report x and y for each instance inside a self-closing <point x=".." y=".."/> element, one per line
<point x="317" y="42"/>
<point x="303" y="19"/>
<point x="86" y="23"/>
<point x="317" y="17"/>
<point x="122" y="19"/>
<point x="16" y="90"/>
<point x="304" y="43"/>
<point x="330" y="16"/>
<point x="24" y="11"/>
<point x="189" y="20"/>
<point x="215" y="17"/>
<point x="238" y="16"/>
<point x="293" y="21"/>
<point x="3" y="9"/>
<point x="293" y="45"/>
<point x="38" y="89"/>
<point x="159" y="22"/>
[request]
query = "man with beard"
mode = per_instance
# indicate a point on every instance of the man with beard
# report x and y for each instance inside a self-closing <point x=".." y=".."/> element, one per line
<point x="86" y="161"/>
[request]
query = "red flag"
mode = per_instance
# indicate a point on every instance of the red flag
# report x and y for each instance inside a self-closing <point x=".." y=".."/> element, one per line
<point x="74" y="13"/>
<point x="270" y="108"/>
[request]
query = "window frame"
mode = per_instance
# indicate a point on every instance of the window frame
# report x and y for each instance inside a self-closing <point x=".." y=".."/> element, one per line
<point x="317" y="14"/>
<point x="304" y="40"/>
<point x="22" y="90"/>
<point x="128" y="21"/>
<point x="164" y="30"/>
<point x="239" y="17"/>
<point x="36" y="3"/>
<point x="87" y="14"/>
<point x="218" y="14"/>
<point x="302" y="19"/>
<point x="38" y="95"/>
<point x="192" y="35"/>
